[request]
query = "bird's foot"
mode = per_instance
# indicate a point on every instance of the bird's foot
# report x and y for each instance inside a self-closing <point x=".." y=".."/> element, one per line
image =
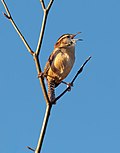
<point x="41" y="74"/>
<point x="69" y="85"/>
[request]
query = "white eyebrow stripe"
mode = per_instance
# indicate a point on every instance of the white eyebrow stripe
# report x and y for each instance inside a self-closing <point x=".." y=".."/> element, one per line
<point x="63" y="36"/>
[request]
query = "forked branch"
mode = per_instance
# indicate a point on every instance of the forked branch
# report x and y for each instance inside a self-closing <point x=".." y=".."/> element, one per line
<point x="42" y="4"/>
<point x="46" y="11"/>
<point x="48" y="7"/>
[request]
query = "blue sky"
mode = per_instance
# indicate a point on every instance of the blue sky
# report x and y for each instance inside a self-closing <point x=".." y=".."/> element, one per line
<point x="86" y="120"/>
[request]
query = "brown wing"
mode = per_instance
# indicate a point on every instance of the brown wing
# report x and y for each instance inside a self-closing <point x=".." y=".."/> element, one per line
<point x="50" y="60"/>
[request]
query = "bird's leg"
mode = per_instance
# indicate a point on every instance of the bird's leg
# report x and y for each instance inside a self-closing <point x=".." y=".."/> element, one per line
<point x="42" y="74"/>
<point x="69" y="85"/>
<point x="45" y="75"/>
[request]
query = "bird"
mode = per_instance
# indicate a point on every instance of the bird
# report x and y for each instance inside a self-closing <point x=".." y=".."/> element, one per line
<point x="60" y="63"/>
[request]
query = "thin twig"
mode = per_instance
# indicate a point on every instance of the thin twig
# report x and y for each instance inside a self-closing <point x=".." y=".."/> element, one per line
<point x="78" y="72"/>
<point x="41" y="34"/>
<point x="8" y="16"/>
<point x="49" y="5"/>
<point x="81" y="69"/>
<point x="46" y="11"/>
<point x="43" y="4"/>
<point x="31" y="149"/>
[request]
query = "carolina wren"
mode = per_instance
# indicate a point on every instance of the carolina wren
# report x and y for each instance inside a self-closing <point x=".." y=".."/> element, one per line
<point x="60" y="63"/>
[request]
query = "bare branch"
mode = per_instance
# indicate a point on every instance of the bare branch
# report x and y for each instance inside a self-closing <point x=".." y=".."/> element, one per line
<point x="41" y="79"/>
<point x="31" y="149"/>
<point x="46" y="10"/>
<point x="8" y="16"/>
<point x="42" y="4"/>
<point x="41" y="34"/>
<point x="78" y="72"/>
<point x="67" y="89"/>
<point x="81" y="69"/>
<point x="49" y="5"/>
<point x="43" y="129"/>
<point x="6" y="8"/>
<point x="36" y="54"/>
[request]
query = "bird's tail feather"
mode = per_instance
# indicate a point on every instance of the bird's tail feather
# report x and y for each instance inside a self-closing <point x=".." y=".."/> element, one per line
<point x="51" y="91"/>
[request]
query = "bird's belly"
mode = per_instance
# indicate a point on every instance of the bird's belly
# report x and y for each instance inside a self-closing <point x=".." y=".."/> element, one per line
<point x="63" y="64"/>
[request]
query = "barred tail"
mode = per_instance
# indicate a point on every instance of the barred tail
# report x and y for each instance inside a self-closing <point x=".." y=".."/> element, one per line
<point x="51" y="91"/>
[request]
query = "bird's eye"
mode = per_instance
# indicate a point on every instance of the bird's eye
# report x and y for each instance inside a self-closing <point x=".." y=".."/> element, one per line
<point x="68" y="36"/>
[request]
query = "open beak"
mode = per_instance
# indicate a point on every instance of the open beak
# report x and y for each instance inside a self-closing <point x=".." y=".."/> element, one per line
<point x="78" y="39"/>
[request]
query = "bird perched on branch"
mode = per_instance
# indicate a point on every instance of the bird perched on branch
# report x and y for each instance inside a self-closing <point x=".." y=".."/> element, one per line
<point x="60" y="63"/>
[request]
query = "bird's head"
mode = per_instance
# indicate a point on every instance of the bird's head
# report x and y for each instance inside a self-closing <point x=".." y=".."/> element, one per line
<point x="67" y="40"/>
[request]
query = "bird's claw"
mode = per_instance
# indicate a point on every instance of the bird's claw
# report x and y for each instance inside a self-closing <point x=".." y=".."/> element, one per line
<point x="41" y="74"/>
<point x="69" y="85"/>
